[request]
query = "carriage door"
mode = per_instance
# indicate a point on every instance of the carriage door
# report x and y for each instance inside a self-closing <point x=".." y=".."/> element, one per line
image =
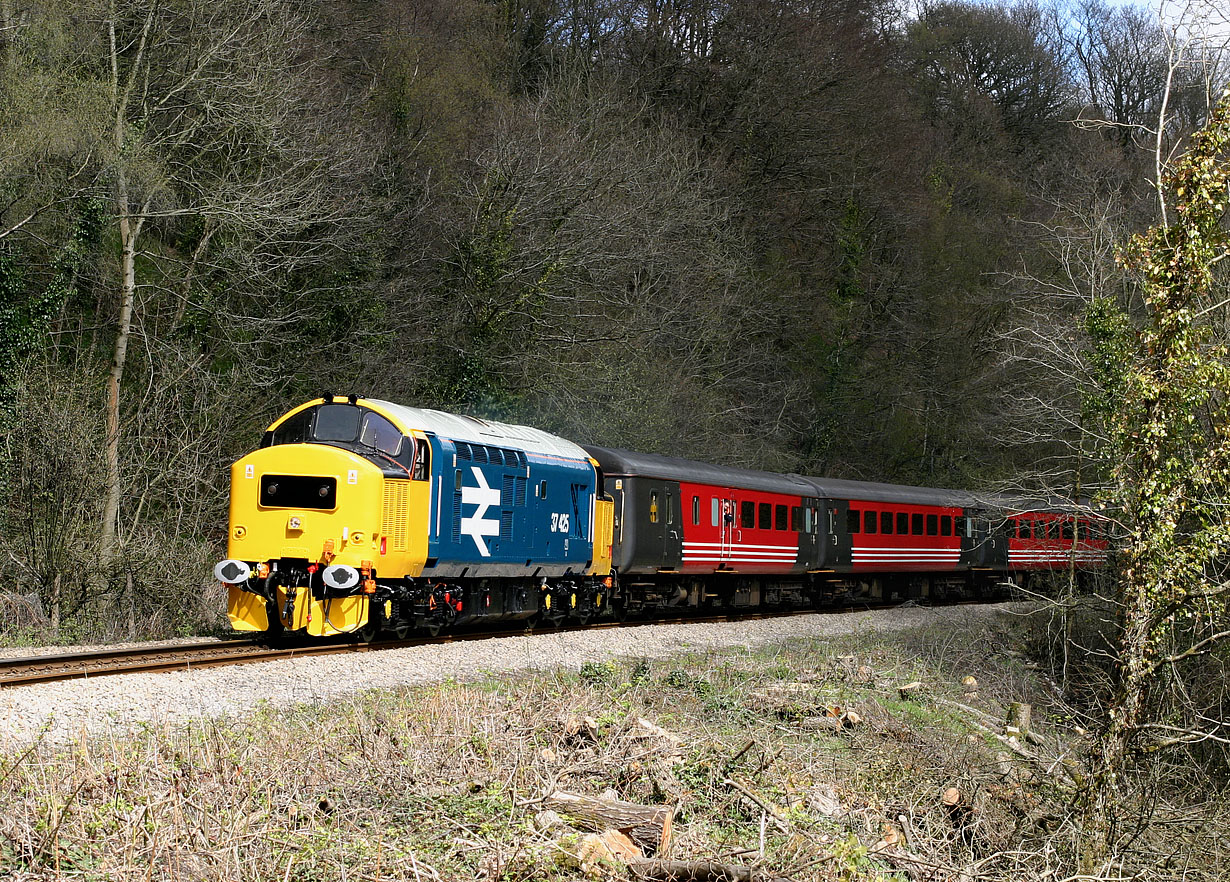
<point x="672" y="546"/>
<point x="838" y="552"/>
<point x="723" y="516"/>
<point x="809" y="521"/>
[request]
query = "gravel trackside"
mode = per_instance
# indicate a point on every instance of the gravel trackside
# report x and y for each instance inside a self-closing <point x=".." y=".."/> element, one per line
<point x="67" y="710"/>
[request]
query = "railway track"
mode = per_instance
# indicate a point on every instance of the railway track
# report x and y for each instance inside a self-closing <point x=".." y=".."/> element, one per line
<point x="32" y="670"/>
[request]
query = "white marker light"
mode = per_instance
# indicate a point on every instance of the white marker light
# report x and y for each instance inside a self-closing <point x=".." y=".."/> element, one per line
<point x="340" y="577"/>
<point x="232" y="572"/>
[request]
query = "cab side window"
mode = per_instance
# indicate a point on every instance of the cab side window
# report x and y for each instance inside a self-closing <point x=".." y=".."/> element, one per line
<point x="422" y="460"/>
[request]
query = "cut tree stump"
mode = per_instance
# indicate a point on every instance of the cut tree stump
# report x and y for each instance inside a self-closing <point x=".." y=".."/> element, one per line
<point x="649" y="826"/>
<point x="912" y="691"/>
<point x="957" y="809"/>
<point x="1020" y="715"/>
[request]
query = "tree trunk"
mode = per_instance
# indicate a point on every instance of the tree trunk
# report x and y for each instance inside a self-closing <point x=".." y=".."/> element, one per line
<point x="1113" y="746"/>
<point x="129" y="229"/>
<point x="54" y="611"/>
<point x="130" y="600"/>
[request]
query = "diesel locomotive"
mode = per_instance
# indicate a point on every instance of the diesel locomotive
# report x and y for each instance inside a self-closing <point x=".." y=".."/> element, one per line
<point x="359" y="515"/>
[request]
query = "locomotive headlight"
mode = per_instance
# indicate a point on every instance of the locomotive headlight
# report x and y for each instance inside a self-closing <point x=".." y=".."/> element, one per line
<point x="232" y="572"/>
<point x="342" y="578"/>
<point x="294" y="523"/>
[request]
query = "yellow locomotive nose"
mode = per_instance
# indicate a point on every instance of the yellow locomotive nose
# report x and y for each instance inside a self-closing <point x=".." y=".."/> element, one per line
<point x="300" y="508"/>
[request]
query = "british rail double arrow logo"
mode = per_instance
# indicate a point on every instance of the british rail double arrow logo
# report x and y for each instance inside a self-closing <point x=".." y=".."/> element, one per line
<point x="478" y="524"/>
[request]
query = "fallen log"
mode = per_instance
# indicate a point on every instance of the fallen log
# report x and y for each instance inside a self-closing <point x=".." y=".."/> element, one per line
<point x="691" y="871"/>
<point x="649" y="826"/>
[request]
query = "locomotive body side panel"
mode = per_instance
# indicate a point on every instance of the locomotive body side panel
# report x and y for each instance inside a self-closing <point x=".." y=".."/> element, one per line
<point x="500" y="512"/>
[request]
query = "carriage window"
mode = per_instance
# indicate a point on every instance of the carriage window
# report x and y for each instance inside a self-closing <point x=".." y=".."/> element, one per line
<point x="766" y="516"/>
<point x="747" y="515"/>
<point x="670" y="507"/>
<point x="779" y="517"/>
<point x="796" y="518"/>
<point x="379" y="433"/>
<point x="1083" y="528"/>
<point x="969" y="526"/>
<point x="696" y="510"/>
<point x="916" y="525"/>
<point x="714" y="508"/>
<point x="869" y="522"/>
<point x="946" y="525"/>
<point x="1023" y="528"/>
<point x="1067" y="529"/>
<point x="886" y="522"/>
<point x="853" y="518"/>
<point x="903" y="522"/>
<point x="933" y="522"/>
<point x="653" y="506"/>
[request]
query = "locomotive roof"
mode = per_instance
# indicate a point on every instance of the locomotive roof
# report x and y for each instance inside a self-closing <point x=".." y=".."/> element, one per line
<point x="456" y="427"/>
<point x="673" y="468"/>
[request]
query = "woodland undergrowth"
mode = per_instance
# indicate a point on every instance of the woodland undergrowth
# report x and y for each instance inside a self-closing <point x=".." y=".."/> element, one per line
<point x="446" y="781"/>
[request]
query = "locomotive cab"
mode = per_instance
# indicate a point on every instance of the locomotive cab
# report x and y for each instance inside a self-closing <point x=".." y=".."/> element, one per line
<point x="317" y="514"/>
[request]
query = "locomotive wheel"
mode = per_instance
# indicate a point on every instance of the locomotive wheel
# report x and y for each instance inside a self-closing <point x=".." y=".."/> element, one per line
<point x="370" y="630"/>
<point x="403" y="628"/>
<point x="373" y="626"/>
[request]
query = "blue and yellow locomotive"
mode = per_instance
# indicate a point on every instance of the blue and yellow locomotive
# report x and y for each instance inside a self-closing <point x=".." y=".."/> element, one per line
<point x="357" y="515"/>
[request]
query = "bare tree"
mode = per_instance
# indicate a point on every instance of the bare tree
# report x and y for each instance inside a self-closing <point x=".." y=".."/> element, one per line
<point x="203" y="100"/>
